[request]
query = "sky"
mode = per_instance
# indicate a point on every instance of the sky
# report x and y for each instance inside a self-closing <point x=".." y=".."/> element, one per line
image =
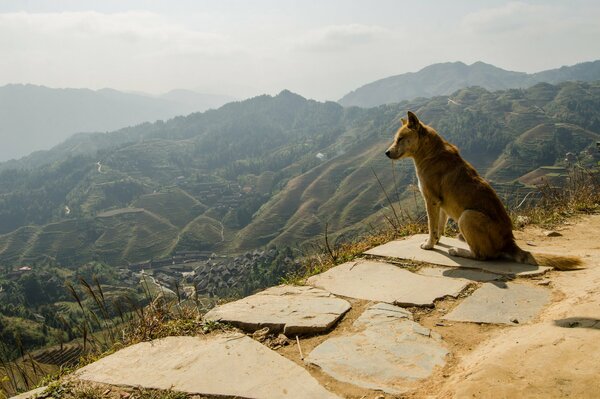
<point x="319" y="49"/>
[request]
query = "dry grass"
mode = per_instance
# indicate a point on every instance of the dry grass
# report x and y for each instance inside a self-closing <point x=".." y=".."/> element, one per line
<point x="581" y="195"/>
<point x="80" y="390"/>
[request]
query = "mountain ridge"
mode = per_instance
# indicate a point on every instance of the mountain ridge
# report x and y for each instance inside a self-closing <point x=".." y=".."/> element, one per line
<point x="445" y="78"/>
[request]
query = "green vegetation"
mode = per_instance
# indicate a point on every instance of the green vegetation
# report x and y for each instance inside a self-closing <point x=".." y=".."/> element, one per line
<point x="270" y="171"/>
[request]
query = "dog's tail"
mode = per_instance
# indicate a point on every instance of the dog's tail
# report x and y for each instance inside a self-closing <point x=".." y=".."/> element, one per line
<point x="558" y="262"/>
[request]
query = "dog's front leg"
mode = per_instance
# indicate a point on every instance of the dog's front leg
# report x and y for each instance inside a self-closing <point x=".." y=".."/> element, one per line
<point x="443" y="220"/>
<point x="433" y="217"/>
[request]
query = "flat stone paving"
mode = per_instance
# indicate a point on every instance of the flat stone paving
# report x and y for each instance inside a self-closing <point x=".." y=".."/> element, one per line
<point x="410" y="249"/>
<point x="501" y="303"/>
<point x="387" y="351"/>
<point x="384" y="282"/>
<point x="288" y="309"/>
<point x="227" y="365"/>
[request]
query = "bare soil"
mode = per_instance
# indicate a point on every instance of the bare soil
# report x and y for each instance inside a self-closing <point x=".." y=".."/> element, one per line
<point x="555" y="356"/>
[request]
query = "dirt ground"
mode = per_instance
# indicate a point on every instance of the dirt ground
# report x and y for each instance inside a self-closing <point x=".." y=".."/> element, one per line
<point x="556" y="356"/>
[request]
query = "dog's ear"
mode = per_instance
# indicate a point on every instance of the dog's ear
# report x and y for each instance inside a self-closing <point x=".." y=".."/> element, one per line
<point x="403" y="121"/>
<point x="413" y="121"/>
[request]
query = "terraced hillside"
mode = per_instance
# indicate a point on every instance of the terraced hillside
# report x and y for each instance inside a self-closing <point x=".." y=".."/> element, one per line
<point x="269" y="171"/>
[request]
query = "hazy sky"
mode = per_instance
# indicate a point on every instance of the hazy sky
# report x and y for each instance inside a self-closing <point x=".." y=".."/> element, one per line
<point x="320" y="49"/>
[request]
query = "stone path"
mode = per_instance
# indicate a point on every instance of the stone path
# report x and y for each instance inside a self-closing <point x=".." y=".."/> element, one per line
<point x="410" y="249"/>
<point x="227" y="365"/>
<point x="384" y="349"/>
<point x="288" y="309"/>
<point x="388" y="351"/>
<point x="501" y="303"/>
<point x="384" y="282"/>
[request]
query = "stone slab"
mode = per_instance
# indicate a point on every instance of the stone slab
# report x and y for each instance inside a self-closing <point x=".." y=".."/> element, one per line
<point x="384" y="282"/>
<point x="411" y="249"/>
<point x="501" y="303"/>
<point x="285" y="308"/>
<point x="387" y="351"/>
<point x="222" y="366"/>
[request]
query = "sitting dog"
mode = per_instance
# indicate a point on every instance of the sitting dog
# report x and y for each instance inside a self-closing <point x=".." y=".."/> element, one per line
<point x="452" y="187"/>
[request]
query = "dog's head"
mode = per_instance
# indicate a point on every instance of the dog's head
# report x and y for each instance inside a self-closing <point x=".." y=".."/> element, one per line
<point x="406" y="141"/>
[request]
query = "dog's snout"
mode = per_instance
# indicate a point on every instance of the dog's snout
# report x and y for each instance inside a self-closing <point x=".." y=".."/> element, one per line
<point x="388" y="153"/>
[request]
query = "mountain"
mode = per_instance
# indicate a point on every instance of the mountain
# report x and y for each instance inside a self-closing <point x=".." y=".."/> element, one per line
<point x="445" y="78"/>
<point x="270" y="171"/>
<point x="37" y="117"/>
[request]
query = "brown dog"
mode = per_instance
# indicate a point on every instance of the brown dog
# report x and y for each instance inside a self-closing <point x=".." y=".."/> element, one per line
<point x="452" y="187"/>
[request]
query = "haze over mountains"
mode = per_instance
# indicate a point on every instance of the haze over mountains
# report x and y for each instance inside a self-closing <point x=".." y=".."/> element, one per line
<point x="445" y="78"/>
<point x="37" y="117"/>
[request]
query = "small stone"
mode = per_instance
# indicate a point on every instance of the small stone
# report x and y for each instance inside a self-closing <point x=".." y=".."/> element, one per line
<point x="261" y="335"/>
<point x="531" y="244"/>
<point x="522" y="221"/>
<point x="440" y="324"/>
<point x="280" y="341"/>
<point x="514" y="321"/>
<point x="544" y="282"/>
<point x="552" y="233"/>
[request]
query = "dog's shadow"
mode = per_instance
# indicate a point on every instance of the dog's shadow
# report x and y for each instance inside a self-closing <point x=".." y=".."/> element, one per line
<point x="494" y="271"/>
<point x="579" y="322"/>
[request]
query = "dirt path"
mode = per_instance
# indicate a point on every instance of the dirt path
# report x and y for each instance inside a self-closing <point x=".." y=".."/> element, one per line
<point x="557" y="356"/>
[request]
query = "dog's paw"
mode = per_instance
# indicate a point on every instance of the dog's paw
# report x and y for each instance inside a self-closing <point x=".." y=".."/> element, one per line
<point x="427" y="245"/>
<point x="453" y="251"/>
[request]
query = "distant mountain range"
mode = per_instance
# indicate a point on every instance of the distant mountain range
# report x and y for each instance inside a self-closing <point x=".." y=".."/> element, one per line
<point x="446" y="78"/>
<point x="37" y="117"/>
<point x="271" y="171"/>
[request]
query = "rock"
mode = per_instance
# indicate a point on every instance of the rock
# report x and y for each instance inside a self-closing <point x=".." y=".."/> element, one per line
<point x="384" y="282"/>
<point x="544" y="282"/>
<point x="288" y="309"/>
<point x="222" y="366"/>
<point x="410" y="249"/>
<point x="387" y="351"/>
<point x="261" y="335"/>
<point x="522" y="221"/>
<point x="552" y="233"/>
<point x="501" y="303"/>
